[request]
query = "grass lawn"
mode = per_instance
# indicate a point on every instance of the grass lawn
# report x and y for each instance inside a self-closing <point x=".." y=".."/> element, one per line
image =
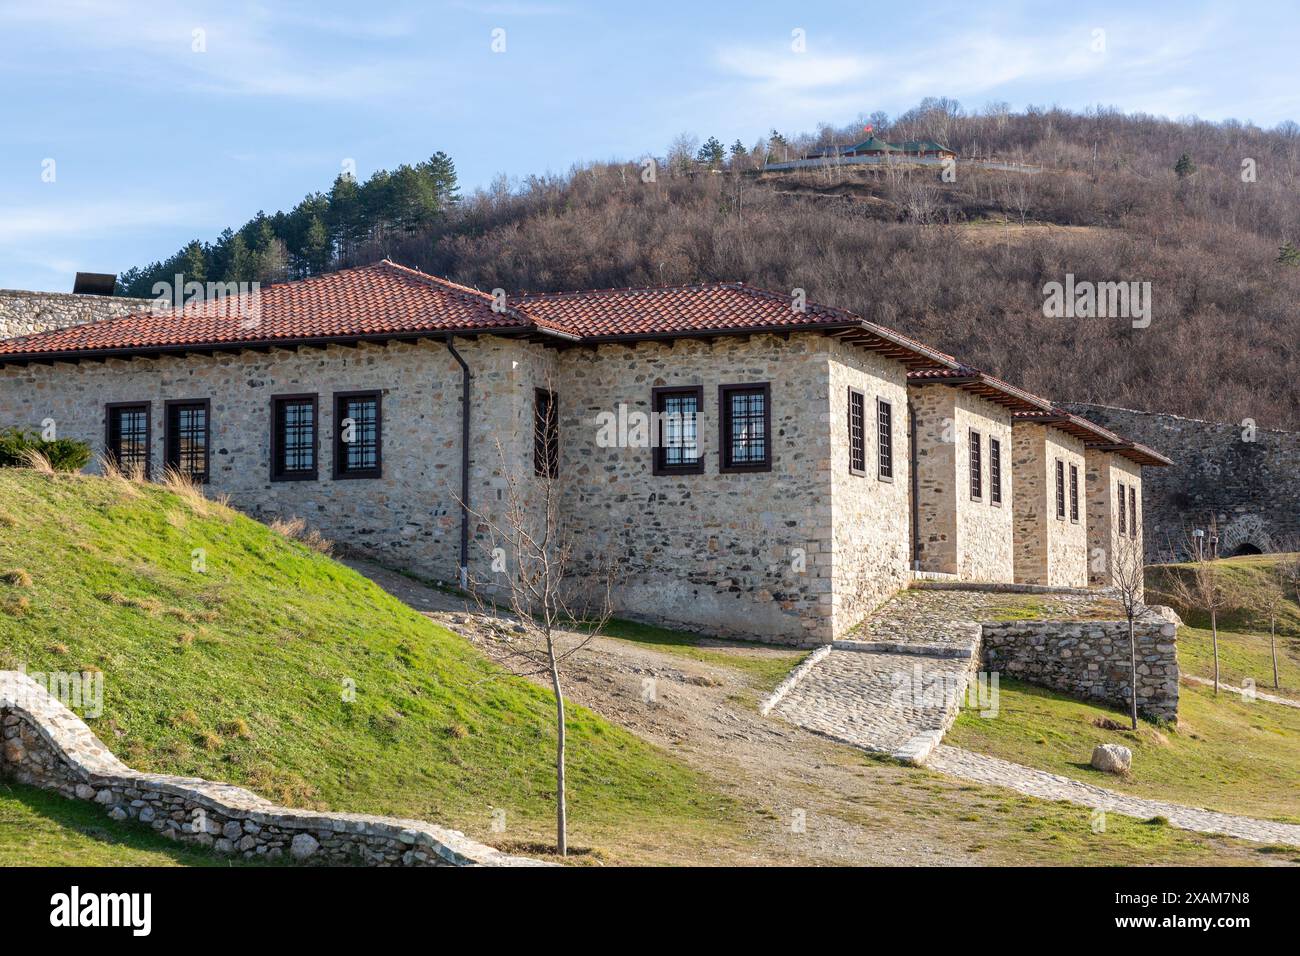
<point x="1225" y="754"/>
<point x="39" y="828"/>
<point x="765" y="664"/>
<point x="1246" y="577"/>
<point x="1241" y="656"/>
<point x="242" y="673"/>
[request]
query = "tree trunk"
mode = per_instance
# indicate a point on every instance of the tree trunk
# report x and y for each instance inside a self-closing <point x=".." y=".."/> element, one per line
<point x="561" y="802"/>
<point x="1214" y="633"/>
<point x="1272" y="644"/>
<point x="1133" y="672"/>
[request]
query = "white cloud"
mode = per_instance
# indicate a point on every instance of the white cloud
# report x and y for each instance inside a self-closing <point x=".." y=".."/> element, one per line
<point x="90" y="220"/>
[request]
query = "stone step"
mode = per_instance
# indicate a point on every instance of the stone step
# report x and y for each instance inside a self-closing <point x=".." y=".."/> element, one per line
<point x="945" y="651"/>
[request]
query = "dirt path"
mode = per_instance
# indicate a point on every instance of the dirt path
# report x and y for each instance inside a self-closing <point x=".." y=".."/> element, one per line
<point x="856" y="809"/>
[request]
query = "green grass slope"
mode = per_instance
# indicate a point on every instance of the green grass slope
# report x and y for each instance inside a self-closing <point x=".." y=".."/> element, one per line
<point x="1246" y="577"/>
<point x="240" y="673"/>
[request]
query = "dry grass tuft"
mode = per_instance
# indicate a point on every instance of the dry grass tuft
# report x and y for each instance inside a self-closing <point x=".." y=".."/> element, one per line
<point x="295" y="529"/>
<point x="37" y="462"/>
<point x="188" y="490"/>
<point x="60" y="649"/>
<point x="16" y="606"/>
<point x="18" y="577"/>
<point x="236" y="728"/>
<point x="125" y="484"/>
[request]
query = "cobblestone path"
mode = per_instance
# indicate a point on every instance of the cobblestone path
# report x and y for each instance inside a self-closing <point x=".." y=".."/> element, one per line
<point x="980" y="768"/>
<point x="896" y="684"/>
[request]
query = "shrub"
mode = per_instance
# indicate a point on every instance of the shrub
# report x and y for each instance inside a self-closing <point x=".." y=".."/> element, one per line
<point x="63" y="454"/>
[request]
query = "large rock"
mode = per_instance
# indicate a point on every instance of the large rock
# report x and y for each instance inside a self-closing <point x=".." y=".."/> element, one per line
<point x="303" y="846"/>
<point x="1112" y="758"/>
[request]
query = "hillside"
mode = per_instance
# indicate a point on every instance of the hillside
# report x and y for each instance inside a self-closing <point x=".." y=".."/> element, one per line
<point x="960" y="265"/>
<point x="238" y="674"/>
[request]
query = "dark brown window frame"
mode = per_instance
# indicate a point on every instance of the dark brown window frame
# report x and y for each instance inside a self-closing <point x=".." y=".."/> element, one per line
<point x="975" y="464"/>
<point x="276" y="437"/>
<point x="1059" y="470"/>
<point x="1123" y="511"/>
<point x="109" y="453"/>
<point x="546" y="447"/>
<point x="1132" y="511"/>
<point x="337" y="469"/>
<point x="725" y="467"/>
<point x="658" y="463"/>
<point x="884" y="442"/>
<point x="171" y="460"/>
<point x="995" y="472"/>
<point x="1074" y="493"/>
<point x="858" y="448"/>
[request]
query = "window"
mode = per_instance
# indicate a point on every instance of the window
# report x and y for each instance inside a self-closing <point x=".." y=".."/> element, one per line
<point x="358" y="435"/>
<point x="677" y="436"/>
<point x="186" y="438"/>
<point x="293" y="438"/>
<point x="857" y="432"/>
<point x="546" y="433"/>
<point x="995" y="471"/>
<point x="745" y="427"/>
<point x="1122" y="511"/>
<point x="1132" y="511"/>
<point x="127" y="436"/>
<point x="1060" y="488"/>
<point x="976" y="467"/>
<point x="885" y="440"/>
<point x="1074" y="493"/>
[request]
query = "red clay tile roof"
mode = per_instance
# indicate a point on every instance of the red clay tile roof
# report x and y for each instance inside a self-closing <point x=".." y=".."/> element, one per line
<point x="982" y="383"/>
<point x="380" y="300"/>
<point x="387" y="300"/>
<point x="1094" y="435"/>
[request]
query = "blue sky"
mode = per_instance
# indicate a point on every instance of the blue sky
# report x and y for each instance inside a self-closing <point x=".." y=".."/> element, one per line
<point x="155" y="143"/>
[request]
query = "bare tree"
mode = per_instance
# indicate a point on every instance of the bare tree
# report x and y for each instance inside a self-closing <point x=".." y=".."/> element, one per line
<point x="1288" y="568"/>
<point x="1127" y="571"/>
<point x="557" y="600"/>
<point x="1270" y="601"/>
<point x="1203" y="587"/>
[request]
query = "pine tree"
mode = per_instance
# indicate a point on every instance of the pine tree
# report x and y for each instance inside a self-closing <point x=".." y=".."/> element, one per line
<point x="738" y="150"/>
<point x="317" y="253"/>
<point x="1288" y="255"/>
<point x="1184" y="167"/>
<point x="242" y="262"/>
<point x="194" y="263"/>
<point x="345" y="218"/>
<point x="712" y="152"/>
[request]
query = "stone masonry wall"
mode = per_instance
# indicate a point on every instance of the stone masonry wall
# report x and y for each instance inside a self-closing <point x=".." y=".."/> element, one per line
<point x="26" y="313"/>
<point x="1049" y="550"/>
<point x="958" y="534"/>
<point x="1090" y="659"/>
<point x="1106" y="472"/>
<point x="1250" y="487"/>
<point x="752" y="554"/>
<point x="45" y="745"/>
<point x="409" y="517"/>
<point x="871" y="519"/>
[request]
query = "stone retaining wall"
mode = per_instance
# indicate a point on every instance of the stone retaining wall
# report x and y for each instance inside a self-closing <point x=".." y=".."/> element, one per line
<point x="1090" y="659"/>
<point x="48" y="746"/>
<point x="26" y="313"/>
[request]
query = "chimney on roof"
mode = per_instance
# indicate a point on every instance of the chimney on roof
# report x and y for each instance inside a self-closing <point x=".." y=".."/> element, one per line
<point x="94" y="283"/>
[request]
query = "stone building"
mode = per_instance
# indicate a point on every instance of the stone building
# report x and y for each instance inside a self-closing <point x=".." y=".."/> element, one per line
<point x="964" y="491"/>
<point x="746" y="466"/>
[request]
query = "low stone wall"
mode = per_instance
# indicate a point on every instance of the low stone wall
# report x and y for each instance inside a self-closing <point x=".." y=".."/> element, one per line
<point x="26" y="313"/>
<point x="1090" y="659"/>
<point x="48" y="746"/>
